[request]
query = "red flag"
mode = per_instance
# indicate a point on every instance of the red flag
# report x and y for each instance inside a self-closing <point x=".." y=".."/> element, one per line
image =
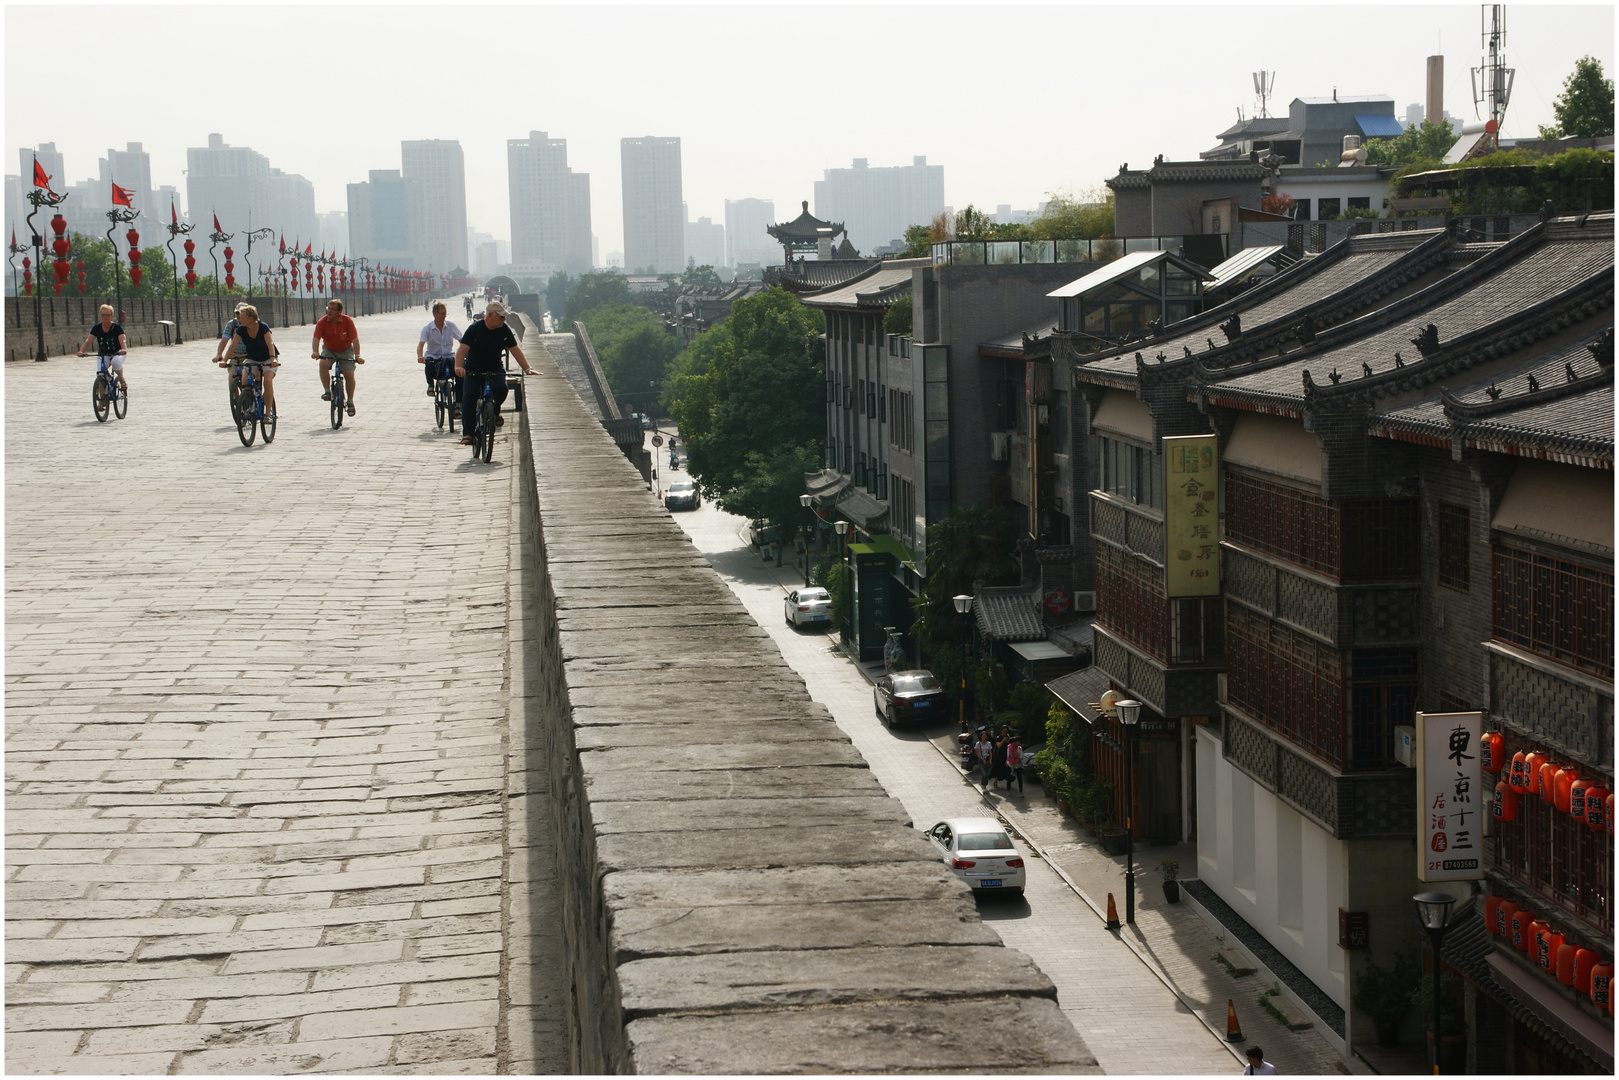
<point x="120" y="197"/>
<point x="309" y="247"/>
<point x="174" y="215"/>
<point x="283" y="248"/>
<point x="40" y="179"/>
<point x="216" y="224"/>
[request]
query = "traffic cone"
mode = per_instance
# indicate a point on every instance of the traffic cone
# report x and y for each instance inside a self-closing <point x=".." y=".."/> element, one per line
<point x="1233" y="1030"/>
<point x="1112" y="913"/>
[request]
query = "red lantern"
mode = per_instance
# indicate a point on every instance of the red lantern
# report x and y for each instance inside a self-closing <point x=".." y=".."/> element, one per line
<point x="1546" y="949"/>
<point x="1492" y="751"/>
<point x="1518" y="774"/>
<point x="1565" y="964"/>
<point x="1596" y="807"/>
<point x="81" y="277"/>
<point x="1563" y="787"/>
<point x="1584" y="961"/>
<point x="1602" y="986"/>
<point x="1504" y="805"/>
<point x="133" y="237"/>
<point x="191" y="279"/>
<point x="1535" y="759"/>
<point x="1520" y="923"/>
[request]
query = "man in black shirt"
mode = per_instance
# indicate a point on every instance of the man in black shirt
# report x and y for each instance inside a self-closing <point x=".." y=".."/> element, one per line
<point x="479" y="354"/>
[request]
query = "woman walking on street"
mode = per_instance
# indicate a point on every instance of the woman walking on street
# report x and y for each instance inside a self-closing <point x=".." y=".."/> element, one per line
<point x="1014" y="762"/>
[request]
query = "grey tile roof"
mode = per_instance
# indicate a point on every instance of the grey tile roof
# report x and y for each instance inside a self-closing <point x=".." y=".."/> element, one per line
<point x="1079" y="688"/>
<point x="1013" y="342"/>
<point x="879" y="288"/>
<point x="813" y="275"/>
<point x="1537" y="268"/>
<point x="1009" y="614"/>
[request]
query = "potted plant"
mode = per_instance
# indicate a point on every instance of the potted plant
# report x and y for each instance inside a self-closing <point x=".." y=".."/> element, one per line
<point x="1385" y="994"/>
<point x="1171" y="869"/>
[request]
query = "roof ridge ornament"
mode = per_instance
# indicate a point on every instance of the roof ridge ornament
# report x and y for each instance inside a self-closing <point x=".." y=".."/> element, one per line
<point x="1232" y="327"/>
<point x="1427" y="342"/>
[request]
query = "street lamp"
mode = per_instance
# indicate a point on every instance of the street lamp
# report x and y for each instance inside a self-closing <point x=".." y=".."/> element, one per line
<point x="1433" y="911"/>
<point x="38" y="197"/>
<point x="11" y="259"/>
<point x="1129" y="713"/>
<point x="252" y="235"/>
<point x="964" y="608"/>
<point x="804" y="501"/>
<point x="117" y="217"/>
<point x="177" y="229"/>
<point x="215" y="238"/>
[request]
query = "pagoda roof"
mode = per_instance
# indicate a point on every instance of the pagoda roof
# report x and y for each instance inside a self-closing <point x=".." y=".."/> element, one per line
<point x="805" y="228"/>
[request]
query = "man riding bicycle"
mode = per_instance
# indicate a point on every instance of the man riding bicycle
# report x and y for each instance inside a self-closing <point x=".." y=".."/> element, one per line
<point x="438" y="343"/>
<point x="111" y="342"/>
<point x="479" y="355"/>
<point x="336" y="339"/>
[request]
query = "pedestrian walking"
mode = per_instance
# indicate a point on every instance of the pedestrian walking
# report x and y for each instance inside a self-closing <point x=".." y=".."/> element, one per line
<point x="1014" y="762"/>
<point x="1257" y="1065"/>
<point x="999" y="771"/>
<point x="984" y="749"/>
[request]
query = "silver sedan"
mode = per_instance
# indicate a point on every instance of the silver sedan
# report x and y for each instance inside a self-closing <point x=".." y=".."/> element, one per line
<point x="811" y="604"/>
<point x="979" y="852"/>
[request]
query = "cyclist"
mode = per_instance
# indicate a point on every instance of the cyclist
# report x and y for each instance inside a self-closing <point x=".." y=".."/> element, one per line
<point x="258" y="348"/>
<point x="224" y="339"/>
<point x="438" y="342"/>
<point x="110" y="342"/>
<point x="336" y="338"/>
<point x="468" y="299"/>
<point x="479" y="354"/>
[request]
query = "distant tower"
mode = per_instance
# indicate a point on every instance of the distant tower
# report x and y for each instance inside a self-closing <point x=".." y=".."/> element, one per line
<point x="1264" y="84"/>
<point x="1492" y="80"/>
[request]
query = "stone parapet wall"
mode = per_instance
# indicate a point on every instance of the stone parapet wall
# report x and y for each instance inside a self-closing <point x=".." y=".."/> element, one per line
<point x="67" y="319"/>
<point x="739" y="895"/>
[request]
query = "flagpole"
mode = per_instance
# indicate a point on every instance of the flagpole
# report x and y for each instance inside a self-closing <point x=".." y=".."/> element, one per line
<point x="36" y="200"/>
<point x="215" y="238"/>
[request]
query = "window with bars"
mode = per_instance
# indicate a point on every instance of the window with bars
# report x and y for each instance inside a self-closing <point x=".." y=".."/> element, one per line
<point x="1197" y="630"/>
<point x="1383" y="693"/>
<point x="1382" y="538"/>
<point x="1553" y="607"/>
<point x="1454" y="522"/>
<point x="1552" y="854"/>
<point x="1282" y="521"/>
<point x="1130" y="600"/>
<point x="1289" y="682"/>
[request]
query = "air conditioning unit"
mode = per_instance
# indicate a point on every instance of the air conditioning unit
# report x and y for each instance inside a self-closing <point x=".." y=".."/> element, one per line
<point x="997" y="445"/>
<point x="1084" y="603"/>
<point x="1405" y="745"/>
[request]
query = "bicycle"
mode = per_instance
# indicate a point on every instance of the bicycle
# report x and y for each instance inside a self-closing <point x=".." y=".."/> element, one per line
<point x="444" y="398"/>
<point x="233" y="369"/>
<point x="251" y="415"/>
<point x="338" y="388"/>
<point x="106" y="393"/>
<point x="481" y="429"/>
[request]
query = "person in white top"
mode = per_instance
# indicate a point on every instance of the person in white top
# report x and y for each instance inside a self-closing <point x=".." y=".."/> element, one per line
<point x="436" y="349"/>
<point x="1257" y="1065"/>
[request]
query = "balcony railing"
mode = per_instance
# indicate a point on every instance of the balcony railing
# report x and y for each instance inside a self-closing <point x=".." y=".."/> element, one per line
<point x="1020" y="252"/>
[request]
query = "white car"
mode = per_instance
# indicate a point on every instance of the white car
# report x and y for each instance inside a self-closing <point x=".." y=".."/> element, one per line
<point x="810" y="604"/>
<point x="980" y="853"/>
<point x="682" y="495"/>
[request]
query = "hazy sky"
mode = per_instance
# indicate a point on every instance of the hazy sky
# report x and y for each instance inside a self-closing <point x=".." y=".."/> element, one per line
<point x="1014" y="102"/>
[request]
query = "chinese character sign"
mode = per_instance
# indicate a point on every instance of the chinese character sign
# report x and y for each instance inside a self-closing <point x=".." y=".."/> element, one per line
<point x="1450" y="827"/>
<point x="1191" y="516"/>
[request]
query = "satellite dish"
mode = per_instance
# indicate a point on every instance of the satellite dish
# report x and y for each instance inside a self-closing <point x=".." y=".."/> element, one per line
<point x="1108" y="698"/>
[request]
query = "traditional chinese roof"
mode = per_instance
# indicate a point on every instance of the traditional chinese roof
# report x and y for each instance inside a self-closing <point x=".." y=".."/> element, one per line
<point x="1080" y="689"/>
<point x="1188" y="172"/>
<point x="1556" y="405"/>
<point x="804" y="230"/>
<point x="1011" y="613"/>
<point x="1014" y="346"/>
<point x="878" y="288"/>
<point x="1337" y="284"/>
<point x="812" y="276"/>
<point x="1552" y="275"/>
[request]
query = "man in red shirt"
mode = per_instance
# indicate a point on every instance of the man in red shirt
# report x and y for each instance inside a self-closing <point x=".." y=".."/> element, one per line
<point x="336" y="338"/>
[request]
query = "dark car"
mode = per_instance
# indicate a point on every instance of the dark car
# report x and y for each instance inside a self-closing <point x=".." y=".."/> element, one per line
<point x="908" y="697"/>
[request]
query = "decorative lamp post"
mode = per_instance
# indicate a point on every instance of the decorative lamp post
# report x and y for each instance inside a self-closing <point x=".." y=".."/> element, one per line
<point x="804" y="501"/>
<point x="964" y="608"/>
<point x="252" y="235"/>
<point x="60" y="247"/>
<point x="215" y="238"/>
<point x="1129" y="713"/>
<point x="39" y="195"/>
<point x="11" y="258"/>
<point x="176" y="230"/>
<point x="1433" y="911"/>
<point x="115" y="218"/>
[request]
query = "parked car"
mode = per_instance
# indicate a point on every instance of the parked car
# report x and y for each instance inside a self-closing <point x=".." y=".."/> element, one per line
<point x="682" y="495"/>
<point x="979" y="852"/>
<point x="811" y="604"/>
<point x="908" y="696"/>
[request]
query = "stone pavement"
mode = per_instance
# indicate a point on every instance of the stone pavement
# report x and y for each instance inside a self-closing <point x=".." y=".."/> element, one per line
<point x="1130" y="1019"/>
<point x="256" y="731"/>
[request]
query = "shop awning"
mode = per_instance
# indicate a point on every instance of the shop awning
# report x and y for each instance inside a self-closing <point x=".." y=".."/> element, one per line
<point x="1079" y="688"/>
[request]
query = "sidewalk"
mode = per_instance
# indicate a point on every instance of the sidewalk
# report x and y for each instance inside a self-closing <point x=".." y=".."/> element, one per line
<point x="1171" y="940"/>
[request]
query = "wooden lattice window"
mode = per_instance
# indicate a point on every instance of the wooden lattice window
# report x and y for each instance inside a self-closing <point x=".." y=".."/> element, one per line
<point x="1287" y="681"/>
<point x="1130" y="600"/>
<point x="1382" y="539"/>
<point x="1556" y="608"/>
<point x="1286" y="522"/>
<point x="1383" y="694"/>
<point x="1454" y="546"/>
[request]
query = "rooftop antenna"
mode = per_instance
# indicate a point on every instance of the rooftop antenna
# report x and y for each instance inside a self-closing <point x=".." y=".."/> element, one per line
<point x="1264" y="83"/>
<point x="1492" y="79"/>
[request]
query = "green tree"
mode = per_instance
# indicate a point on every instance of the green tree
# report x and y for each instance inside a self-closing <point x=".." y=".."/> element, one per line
<point x="770" y="484"/>
<point x="971" y="543"/>
<point x="897" y="319"/>
<point x="557" y="291"/>
<point x="1074" y="217"/>
<point x="1424" y="145"/>
<point x="633" y="347"/>
<point x="700" y="276"/>
<point x="1585" y="107"/>
<point x="973" y="224"/>
<point x="597" y="289"/>
<point x="751" y="386"/>
<point x="918" y="241"/>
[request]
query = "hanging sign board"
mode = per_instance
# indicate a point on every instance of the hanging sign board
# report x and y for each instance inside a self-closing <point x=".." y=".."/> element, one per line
<point x="1191" y="516"/>
<point x="1450" y="828"/>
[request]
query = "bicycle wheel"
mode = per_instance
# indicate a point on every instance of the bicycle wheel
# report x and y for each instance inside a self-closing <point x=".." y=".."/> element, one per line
<point x="247" y="425"/>
<point x="487" y="411"/>
<point x="267" y="426"/>
<point x="120" y="402"/>
<point x="99" y="399"/>
<point x="441" y="404"/>
<point x="337" y="403"/>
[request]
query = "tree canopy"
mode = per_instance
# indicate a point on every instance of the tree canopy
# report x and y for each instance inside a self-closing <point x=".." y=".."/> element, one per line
<point x="1585" y="108"/>
<point x="597" y="289"/>
<point x="1074" y="217"/>
<point x="632" y="345"/>
<point x="1424" y="145"/>
<point x="749" y="398"/>
<point x="557" y="291"/>
<point x="699" y="275"/>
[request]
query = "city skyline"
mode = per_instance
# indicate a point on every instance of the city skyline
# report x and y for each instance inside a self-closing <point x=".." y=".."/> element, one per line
<point x="992" y="126"/>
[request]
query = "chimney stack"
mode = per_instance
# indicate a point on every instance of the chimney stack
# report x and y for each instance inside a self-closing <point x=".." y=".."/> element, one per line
<point x="1436" y="90"/>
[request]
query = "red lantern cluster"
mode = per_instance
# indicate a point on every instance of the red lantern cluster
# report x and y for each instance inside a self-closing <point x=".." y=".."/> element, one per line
<point x="230" y="279"/>
<point x="295" y="273"/>
<point x="134" y="239"/>
<point x="191" y="264"/>
<point x="81" y="277"/>
<point x="60" y="248"/>
<point x="27" y="276"/>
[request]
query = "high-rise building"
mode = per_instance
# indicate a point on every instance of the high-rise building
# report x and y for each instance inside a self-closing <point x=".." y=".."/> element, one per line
<point x="878" y="205"/>
<point x="705" y="242"/>
<point x="654" y="214"/>
<point x="435" y="182"/>
<point x="379" y="220"/>
<point x="292" y="208"/>
<point x="130" y="169"/>
<point x="232" y="182"/>
<point x="334" y="230"/>
<point x="550" y="206"/>
<point x="746" y="241"/>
